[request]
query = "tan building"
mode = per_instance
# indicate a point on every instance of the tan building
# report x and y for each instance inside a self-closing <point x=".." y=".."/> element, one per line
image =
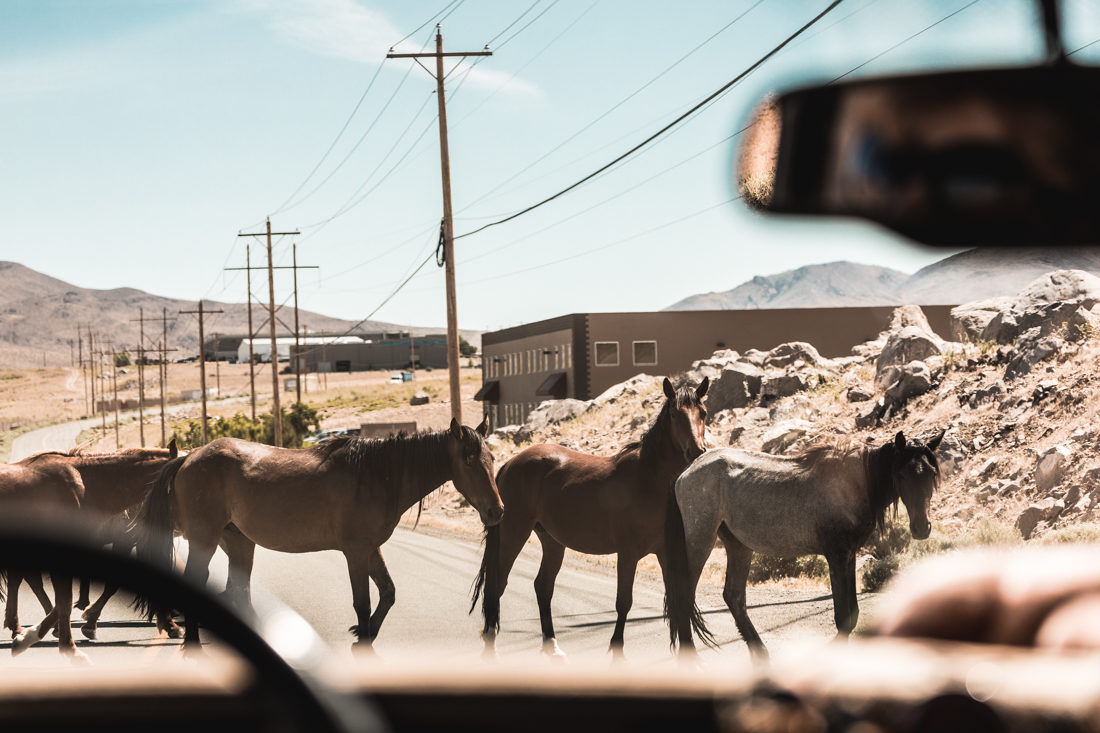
<point x="582" y="354"/>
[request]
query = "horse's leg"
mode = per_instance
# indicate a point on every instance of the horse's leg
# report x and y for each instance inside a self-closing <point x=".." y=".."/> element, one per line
<point x="626" y="568"/>
<point x="738" y="561"/>
<point x="34" y="582"/>
<point x="92" y="613"/>
<point x="199" y="552"/>
<point x="85" y="592"/>
<point x="63" y="603"/>
<point x="700" y="532"/>
<point x="386" y="591"/>
<point x="553" y="553"/>
<point x="241" y="552"/>
<point x="513" y="536"/>
<point x="842" y="579"/>
<point x="11" y="608"/>
<point x="359" y="571"/>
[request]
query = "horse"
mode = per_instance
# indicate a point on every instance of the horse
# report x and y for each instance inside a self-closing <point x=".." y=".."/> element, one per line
<point x="826" y="500"/>
<point x="40" y="491"/>
<point x="346" y="494"/>
<point x="114" y="485"/>
<point x="593" y="504"/>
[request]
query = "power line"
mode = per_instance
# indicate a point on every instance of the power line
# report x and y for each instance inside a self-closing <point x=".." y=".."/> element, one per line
<point x="509" y="26"/>
<point x="527" y="25"/>
<point x="904" y="41"/>
<point x="1082" y="48"/>
<point x="614" y="107"/>
<point x="416" y="30"/>
<point x="335" y="140"/>
<point x="714" y="95"/>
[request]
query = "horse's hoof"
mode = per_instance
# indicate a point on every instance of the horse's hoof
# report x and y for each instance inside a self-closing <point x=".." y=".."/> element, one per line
<point x="89" y="631"/>
<point x="192" y="650"/>
<point x="79" y="658"/>
<point x="82" y="604"/>
<point x="22" y="643"/>
<point x="84" y="616"/>
<point x="551" y="649"/>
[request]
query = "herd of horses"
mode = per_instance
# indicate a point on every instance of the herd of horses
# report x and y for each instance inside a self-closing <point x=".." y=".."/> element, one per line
<point x="665" y="494"/>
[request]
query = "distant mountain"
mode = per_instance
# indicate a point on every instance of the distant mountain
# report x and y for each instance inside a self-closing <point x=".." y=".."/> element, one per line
<point x="832" y="283"/>
<point x="971" y="275"/>
<point x="39" y="316"/>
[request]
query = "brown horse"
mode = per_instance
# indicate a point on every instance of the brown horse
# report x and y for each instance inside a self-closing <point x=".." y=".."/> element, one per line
<point x="114" y="484"/>
<point x="593" y="504"/>
<point x="347" y="494"/>
<point x="41" y="491"/>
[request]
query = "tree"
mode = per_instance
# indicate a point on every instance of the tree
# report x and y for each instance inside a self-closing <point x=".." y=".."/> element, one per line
<point x="122" y="359"/>
<point x="465" y="348"/>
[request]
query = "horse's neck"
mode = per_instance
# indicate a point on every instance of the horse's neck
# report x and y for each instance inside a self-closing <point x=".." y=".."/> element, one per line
<point x="881" y="491"/>
<point x="660" y="466"/>
<point x="125" y="480"/>
<point x="416" y="482"/>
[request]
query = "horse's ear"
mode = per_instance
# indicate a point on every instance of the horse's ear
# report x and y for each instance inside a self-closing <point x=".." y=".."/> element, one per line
<point x="899" y="441"/>
<point x="483" y="428"/>
<point x="701" y="390"/>
<point x="174" y="451"/>
<point x="670" y="391"/>
<point x="456" y="429"/>
<point x="935" y="442"/>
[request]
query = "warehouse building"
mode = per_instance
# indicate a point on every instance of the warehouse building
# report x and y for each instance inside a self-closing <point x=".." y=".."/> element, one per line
<point x="582" y="354"/>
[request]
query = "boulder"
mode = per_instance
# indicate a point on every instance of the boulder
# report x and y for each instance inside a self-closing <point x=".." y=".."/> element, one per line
<point x="1083" y="324"/>
<point x="755" y="356"/>
<point x="912" y="379"/>
<point x="785" y="434"/>
<point x="737" y="386"/>
<point x="859" y="393"/>
<point x="902" y="347"/>
<point x="1049" y="467"/>
<point x="785" y="385"/>
<point x="902" y="317"/>
<point x="419" y="398"/>
<point x="798" y="407"/>
<point x="1048" y="303"/>
<point x="1038" y="512"/>
<point x="871" y="416"/>
<point x="638" y="384"/>
<point x="786" y="354"/>
<point x="549" y="413"/>
<point x="968" y="321"/>
<point x="1032" y="348"/>
<point x="712" y="366"/>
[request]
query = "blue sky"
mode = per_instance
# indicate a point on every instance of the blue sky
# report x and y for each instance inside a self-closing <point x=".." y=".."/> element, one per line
<point x="138" y="137"/>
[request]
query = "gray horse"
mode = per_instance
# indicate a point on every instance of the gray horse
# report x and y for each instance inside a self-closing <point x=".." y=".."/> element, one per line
<point x="827" y="500"/>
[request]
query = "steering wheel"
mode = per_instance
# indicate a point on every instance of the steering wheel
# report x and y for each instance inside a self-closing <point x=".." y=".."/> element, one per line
<point x="307" y="703"/>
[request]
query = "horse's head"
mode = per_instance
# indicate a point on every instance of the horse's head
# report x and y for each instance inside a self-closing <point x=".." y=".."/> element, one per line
<point x="688" y="418"/>
<point x="916" y="473"/>
<point x="472" y="470"/>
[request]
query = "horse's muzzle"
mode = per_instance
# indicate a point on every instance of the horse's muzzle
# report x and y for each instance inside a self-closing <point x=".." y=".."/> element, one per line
<point x="920" y="532"/>
<point x="493" y="516"/>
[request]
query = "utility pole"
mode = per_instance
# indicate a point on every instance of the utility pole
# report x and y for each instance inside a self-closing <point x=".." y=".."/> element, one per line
<point x="114" y="387"/>
<point x="276" y="410"/>
<point x="141" y="374"/>
<point x="164" y="375"/>
<point x="324" y="357"/>
<point x="202" y="364"/>
<point x="447" y="234"/>
<point x="83" y="371"/>
<point x="217" y="367"/>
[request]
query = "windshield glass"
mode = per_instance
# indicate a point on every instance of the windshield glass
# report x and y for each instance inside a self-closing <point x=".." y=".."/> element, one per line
<point x="435" y="421"/>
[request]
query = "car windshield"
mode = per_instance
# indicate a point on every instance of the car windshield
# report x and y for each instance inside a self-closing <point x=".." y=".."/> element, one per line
<point x="227" y="232"/>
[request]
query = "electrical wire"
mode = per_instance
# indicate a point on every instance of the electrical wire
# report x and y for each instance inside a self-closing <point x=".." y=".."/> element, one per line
<point x="416" y="30"/>
<point x="711" y="97"/>
<point x="508" y="27"/>
<point x="527" y="25"/>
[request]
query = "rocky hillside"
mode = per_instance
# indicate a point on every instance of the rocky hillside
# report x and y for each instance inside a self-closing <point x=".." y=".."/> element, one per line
<point x="1018" y="401"/>
<point x="39" y="315"/>
<point x="970" y="275"/>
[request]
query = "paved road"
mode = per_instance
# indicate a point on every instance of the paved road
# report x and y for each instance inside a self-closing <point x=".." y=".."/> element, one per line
<point x="55" y="437"/>
<point x="433" y="572"/>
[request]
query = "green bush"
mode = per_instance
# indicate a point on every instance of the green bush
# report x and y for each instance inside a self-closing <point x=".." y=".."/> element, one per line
<point x="297" y="424"/>
<point x="770" y="567"/>
<point x="878" y="572"/>
<point x="1084" y="532"/>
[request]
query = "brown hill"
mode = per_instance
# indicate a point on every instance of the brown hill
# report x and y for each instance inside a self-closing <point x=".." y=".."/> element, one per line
<point x="40" y="316"/>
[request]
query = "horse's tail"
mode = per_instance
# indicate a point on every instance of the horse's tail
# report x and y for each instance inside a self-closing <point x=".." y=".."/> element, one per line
<point x="488" y="580"/>
<point x="152" y="528"/>
<point x="3" y="582"/>
<point x="681" y="611"/>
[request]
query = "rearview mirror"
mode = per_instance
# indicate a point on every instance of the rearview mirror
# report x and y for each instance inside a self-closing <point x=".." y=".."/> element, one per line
<point x="994" y="157"/>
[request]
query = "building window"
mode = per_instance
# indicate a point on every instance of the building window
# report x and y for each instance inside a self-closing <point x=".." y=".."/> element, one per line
<point x="607" y="353"/>
<point x="645" y="353"/>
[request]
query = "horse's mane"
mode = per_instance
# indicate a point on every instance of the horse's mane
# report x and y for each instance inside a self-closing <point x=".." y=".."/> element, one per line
<point x="385" y="459"/>
<point x="85" y="454"/>
<point x="876" y="463"/>
<point x="657" y="435"/>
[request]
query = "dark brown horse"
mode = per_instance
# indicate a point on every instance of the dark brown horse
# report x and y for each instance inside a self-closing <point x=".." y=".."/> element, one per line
<point x="41" y="491"/>
<point x="347" y="494"/>
<point x="114" y="484"/>
<point x="827" y="501"/>
<point x="593" y="504"/>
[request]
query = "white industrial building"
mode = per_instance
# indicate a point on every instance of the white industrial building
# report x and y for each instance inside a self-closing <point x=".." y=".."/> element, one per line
<point x="261" y="347"/>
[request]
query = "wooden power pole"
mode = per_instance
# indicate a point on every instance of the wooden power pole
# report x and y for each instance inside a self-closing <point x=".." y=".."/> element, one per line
<point x="201" y="312"/>
<point x="276" y="409"/>
<point x="448" y="225"/>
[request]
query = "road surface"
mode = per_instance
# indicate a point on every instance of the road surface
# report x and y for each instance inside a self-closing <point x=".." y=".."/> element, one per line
<point x="433" y="571"/>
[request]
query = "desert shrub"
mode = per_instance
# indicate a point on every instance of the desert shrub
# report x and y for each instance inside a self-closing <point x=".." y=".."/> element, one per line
<point x="770" y="567"/>
<point x="878" y="572"/>
<point x="1084" y="532"/>
<point x="298" y="423"/>
<point x="892" y="539"/>
<point x="988" y="532"/>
